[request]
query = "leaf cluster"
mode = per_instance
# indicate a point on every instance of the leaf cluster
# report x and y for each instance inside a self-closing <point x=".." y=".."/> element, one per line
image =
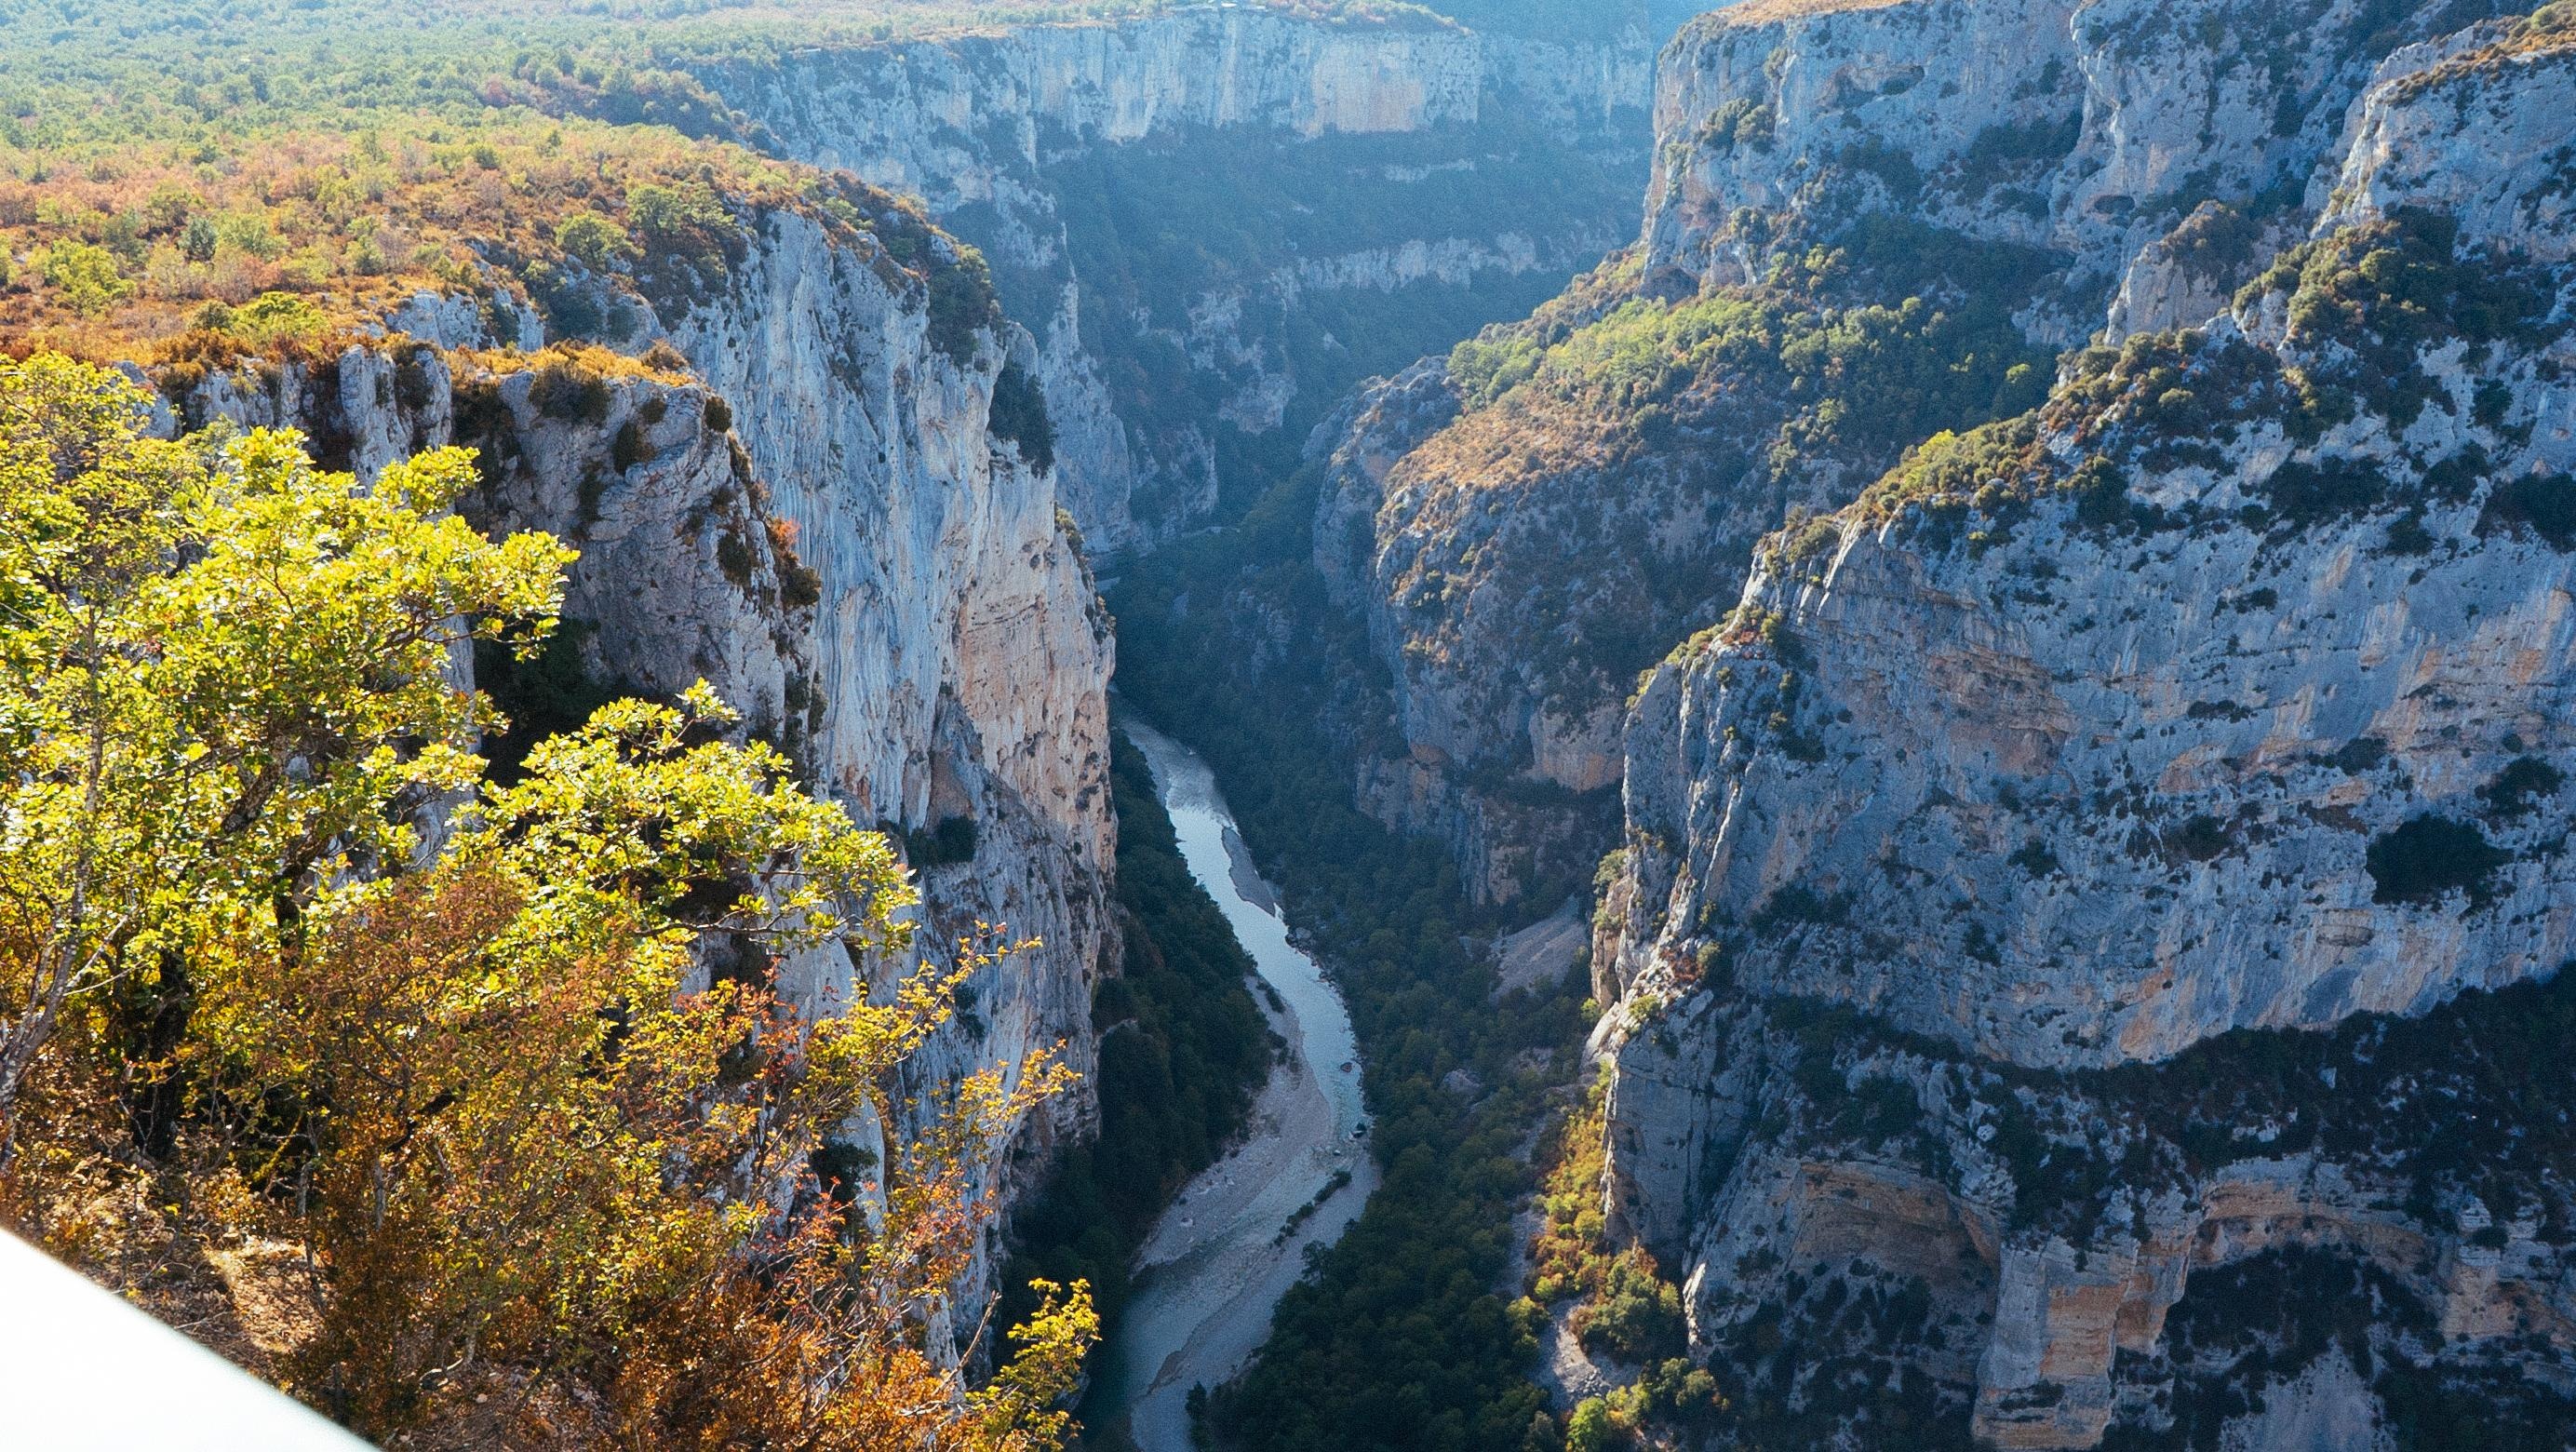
<point x="509" y="1067"/>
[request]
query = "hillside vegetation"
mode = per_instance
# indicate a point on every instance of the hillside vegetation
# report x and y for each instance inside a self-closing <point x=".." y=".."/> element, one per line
<point x="410" y="1090"/>
<point x="179" y="254"/>
<point x="89" y="73"/>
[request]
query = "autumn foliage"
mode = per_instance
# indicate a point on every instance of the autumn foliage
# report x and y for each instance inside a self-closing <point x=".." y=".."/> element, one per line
<point x="473" y="1115"/>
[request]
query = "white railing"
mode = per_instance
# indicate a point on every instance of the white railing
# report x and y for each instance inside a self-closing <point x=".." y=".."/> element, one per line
<point x="82" y="1371"/>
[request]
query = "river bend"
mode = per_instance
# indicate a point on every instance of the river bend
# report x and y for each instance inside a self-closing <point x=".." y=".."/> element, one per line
<point x="1221" y="1256"/>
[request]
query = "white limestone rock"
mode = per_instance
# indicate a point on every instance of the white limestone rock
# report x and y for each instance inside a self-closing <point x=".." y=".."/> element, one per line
<point x="976" y="124"/>
<point x="815" y="519"/>
<point x="2055" y="773"/>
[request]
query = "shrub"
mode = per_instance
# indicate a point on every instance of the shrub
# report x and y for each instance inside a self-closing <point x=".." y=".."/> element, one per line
<point x="2201" y="839"/>
<point x="1637" y="1316"/>
<point x="2544" y="504"/>
<point x="1020" y="416"/>
<point x="2525" y="777"/>
<point x="595" y="241"/>
<point x="567" y="389"/>
<point x="734" y="557"/>
<point x="86" y="275"/>
<point x="1589" y="1429"/>
<point x="249" y="234"/>
<point x="278" y="317"/>
<point x="2431" y="857"/>
<point x="962" y="303"/>
<point x="950" y="842"/>
<point x="1742" y="124"/>
<point x="675" y="211"/>
<point x="2307" y="493"/>
<point x="571" y="310"/>
<point x="799" y="584"/>
<point x="2383" y="291"/>
<point x="687" y="221"/>
<point x="629" y="449"/>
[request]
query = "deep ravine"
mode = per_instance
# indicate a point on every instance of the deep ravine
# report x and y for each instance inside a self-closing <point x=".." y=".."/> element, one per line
<point x="1234" y="1239"/>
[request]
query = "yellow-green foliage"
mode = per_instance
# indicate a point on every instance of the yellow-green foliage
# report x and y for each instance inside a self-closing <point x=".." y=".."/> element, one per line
<point x="593" y="240"/>
<point x="84" y="276"/>
<point x="1570" y="1255"/>
<point x="2550" y="28"/>
<point x="1606" y="372"/>
<point x="1957" y="468"/>
<point x="302" y="235"/>
<point x="537" y="1188"/>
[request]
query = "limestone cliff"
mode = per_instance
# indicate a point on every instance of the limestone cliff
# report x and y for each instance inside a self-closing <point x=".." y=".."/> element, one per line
<point x="2094" y="130"/>
<point x="1216" y="219"/>
<point x="2087" y="916"/>
<point x="802" y="494"/>
<point x="1866" y="223"/>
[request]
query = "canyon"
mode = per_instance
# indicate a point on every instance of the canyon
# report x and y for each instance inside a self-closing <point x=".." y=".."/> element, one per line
<point x="1214" y="221"/>
<point x="830" y="473"/>
<point x="2005" y="779"/>
<point x="1979" y="588"/>
<point x="806" y="506"/>
<point x="2090" y="825"/>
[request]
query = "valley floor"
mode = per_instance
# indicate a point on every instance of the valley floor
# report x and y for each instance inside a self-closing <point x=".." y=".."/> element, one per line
<point x="1235" y="1238"/>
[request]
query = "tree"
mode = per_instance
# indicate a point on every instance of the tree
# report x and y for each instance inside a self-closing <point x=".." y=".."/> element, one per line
<point x="488" y="1202"/>
<point x="507" y="1065"/>
<point x="278" y="317"/>
<point x="86" y="275"/>
<point x="677" y="211"/>
<point x="228" y="681"/>
<point x="1589" y="1429"/>
<point x="599" y="243"/>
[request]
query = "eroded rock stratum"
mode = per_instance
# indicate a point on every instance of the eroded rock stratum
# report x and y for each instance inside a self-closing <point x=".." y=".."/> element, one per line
<point x="2085" y="938"/>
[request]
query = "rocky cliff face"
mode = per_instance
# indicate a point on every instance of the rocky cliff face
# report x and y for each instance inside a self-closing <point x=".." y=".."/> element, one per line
<point x="1217" y="219"/>
<point x="2094" y="130"/>
<point x="2085" y="916"/>
<point x="801" y="495"/>
<point x="2021" y="174"/>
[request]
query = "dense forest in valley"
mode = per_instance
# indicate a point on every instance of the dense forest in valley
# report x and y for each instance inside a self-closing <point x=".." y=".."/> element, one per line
<point x="1401" y="1337"/>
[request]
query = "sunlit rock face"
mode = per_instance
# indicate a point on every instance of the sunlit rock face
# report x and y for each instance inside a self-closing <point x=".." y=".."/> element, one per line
<point x="806" y="506"/>
<point x="1216" y="220"/>
<point x="2105" y="168"/>
<point x="2089" y="894"/>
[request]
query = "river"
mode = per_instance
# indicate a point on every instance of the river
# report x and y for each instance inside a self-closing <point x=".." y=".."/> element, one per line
<point x="1217" y="1261"/>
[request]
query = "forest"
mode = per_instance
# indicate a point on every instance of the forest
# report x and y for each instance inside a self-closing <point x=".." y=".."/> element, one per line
<point x="1399" y="1339"/>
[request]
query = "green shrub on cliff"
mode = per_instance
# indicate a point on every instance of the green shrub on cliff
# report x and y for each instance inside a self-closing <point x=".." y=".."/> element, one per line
<point x="1808" y="347"/>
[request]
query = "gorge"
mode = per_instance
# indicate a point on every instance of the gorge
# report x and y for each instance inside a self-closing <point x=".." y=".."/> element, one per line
<point x="1234" y="1239"/>
<point x="1992" y="575"/>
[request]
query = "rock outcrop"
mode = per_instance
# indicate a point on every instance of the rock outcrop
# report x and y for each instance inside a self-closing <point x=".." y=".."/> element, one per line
<point x="2086" y="915"/>
<point x="1866" y="223"/>
<point x="2125" y="137"/>
<point x="800" y="494"/>
<point x="1217" y="219"/>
